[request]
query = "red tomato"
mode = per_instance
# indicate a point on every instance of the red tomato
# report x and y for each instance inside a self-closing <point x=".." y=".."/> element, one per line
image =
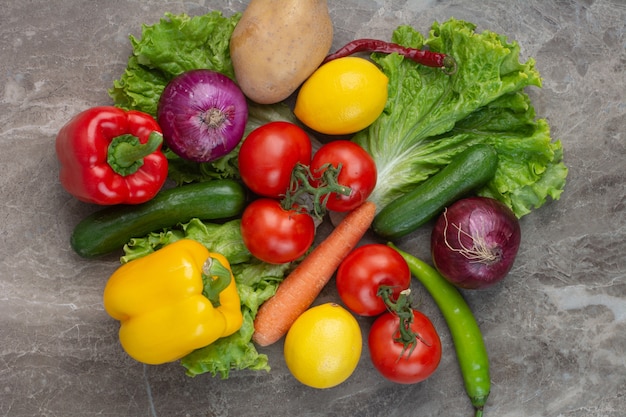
<point x="387" y="356"/>
<point x="358" y="171"/>
<point x="268" y="155"/>
<point x="276" y="235"/>
<point x="364" y="270"/>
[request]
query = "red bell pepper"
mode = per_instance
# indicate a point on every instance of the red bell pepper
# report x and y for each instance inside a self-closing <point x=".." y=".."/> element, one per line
<point x="111" y="156"/>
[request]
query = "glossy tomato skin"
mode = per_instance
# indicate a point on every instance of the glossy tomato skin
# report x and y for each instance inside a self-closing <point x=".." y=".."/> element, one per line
<point x="275" y="235"/>
<point x="385" y="351"/>
<point x="268" y="155"/>
<point x="364" y="270"/>
<point x="358" y="172"/>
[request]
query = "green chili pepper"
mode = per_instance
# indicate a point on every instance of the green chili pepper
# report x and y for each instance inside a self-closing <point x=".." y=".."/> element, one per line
<point x="466" y="335"/>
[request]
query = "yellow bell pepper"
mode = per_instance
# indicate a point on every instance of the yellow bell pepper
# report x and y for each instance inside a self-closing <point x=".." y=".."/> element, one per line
<point x="173" y="301"/>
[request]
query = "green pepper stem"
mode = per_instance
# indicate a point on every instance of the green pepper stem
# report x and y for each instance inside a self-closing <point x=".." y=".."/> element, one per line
<point x="216" y="277"/>
<point x="126" y="153"/>
<point x="449" y="68"/>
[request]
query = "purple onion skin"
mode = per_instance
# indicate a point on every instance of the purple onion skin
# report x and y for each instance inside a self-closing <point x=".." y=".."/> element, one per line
<point x="203" y="115"/>
<point x="482" y="253"/>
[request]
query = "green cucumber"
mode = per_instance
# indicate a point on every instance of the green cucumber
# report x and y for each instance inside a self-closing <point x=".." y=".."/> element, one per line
<point x="111" y="228"/>
<point x="470" y="169"/>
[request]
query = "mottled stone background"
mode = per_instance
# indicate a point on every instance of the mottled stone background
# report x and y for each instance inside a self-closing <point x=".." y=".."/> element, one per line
<point x="555" y="329"/>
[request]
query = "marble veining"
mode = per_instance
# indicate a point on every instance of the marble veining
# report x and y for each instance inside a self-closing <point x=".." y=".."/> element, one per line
<point x="555" y="328"/>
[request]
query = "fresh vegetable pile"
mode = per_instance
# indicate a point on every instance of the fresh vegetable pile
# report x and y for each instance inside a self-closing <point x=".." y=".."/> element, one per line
<point x="221" y="259"/>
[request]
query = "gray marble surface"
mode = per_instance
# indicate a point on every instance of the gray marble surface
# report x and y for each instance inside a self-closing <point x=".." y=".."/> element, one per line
<point x="555" y="329"/>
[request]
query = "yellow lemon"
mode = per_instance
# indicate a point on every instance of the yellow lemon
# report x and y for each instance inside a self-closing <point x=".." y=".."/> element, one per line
<point x="323" y="346"/>
<point x="342" y="96"/>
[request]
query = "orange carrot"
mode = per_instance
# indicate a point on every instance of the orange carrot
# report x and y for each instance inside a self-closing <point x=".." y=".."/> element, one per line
<point x="302" y="286"/>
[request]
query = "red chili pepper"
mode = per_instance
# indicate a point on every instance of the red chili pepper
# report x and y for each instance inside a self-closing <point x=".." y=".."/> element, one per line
<point x="421" y="56"/>
<point x="111" y="156"/>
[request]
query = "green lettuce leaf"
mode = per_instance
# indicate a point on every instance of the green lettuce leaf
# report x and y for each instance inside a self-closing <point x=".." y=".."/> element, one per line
<point x="256" y="282"/>
<point x="430" y="117"/>
<point x="234" y="352"/>
<point x="530" y="164"/>
<point x="176" y="44"/>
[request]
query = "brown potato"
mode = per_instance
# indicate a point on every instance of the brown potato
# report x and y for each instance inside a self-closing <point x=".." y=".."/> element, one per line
<point x="277" y="44"/>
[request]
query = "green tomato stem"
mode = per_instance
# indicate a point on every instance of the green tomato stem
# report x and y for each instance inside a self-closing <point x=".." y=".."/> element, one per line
<point x="402" y="308"/>
<point x="301" y="179"/>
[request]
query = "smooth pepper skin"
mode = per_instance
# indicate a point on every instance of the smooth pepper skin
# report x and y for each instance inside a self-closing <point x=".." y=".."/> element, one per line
<point x="159" y="302"/>
<point x="82" y="147"/>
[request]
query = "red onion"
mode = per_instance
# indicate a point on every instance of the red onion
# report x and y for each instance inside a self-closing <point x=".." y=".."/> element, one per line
<point x="475" y="241"/>
<point x="202" y="114"/>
